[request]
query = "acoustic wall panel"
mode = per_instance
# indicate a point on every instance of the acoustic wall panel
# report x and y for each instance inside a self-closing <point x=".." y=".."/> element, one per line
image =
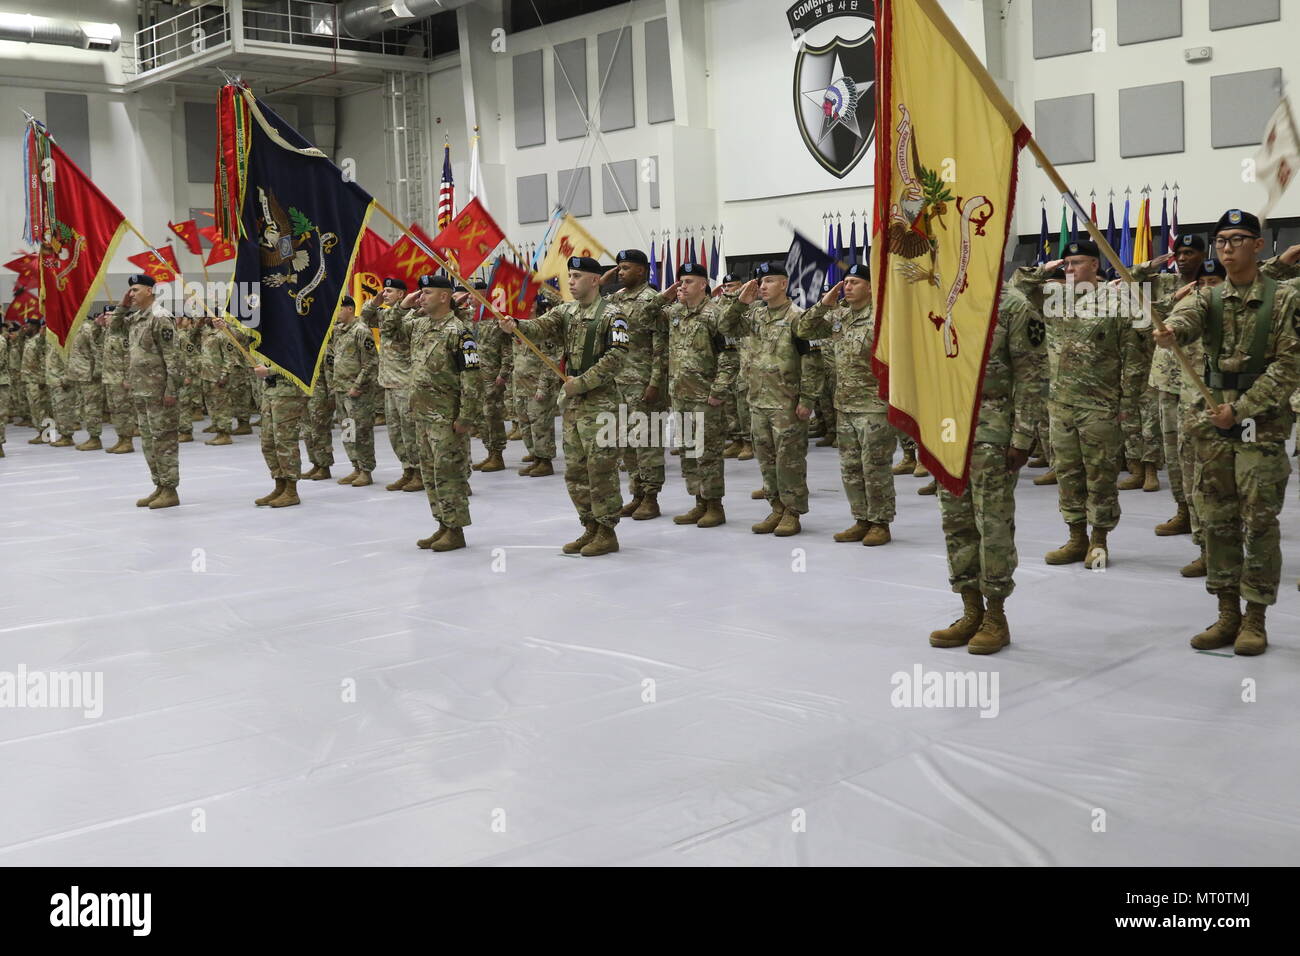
<point x="1064" y="128"/>
<point x="618" y="181"/>
<point x="200" y="143"/>
<point x="1226" y="14"/>
<point x="1151" y="119"/>
<point x="529" y="105"/>
<point x="531" y="198"/>
<point x="1240" y="105"/>
<point x="67" y="117"/>
<point x="1141" y="21"/>
<point x="571" y="89"/>
<point x="658" y="73"/>
<point x="614" y="67"/>
<point x="1061" y="27"/>
<point x="574" y="186"/>
<point x="654" y="182"/>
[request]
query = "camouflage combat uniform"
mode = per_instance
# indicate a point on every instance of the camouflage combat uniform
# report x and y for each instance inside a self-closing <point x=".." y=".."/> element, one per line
<point x="284" y="405"/>
<point x="537" y="390"/>
<point x="395" y="379"/>
<point x="218" y="360"/>
<point x="702" y="364"/>
<point x="495" y="356"/>
<point x="63" y="393"/>
<point x="356" y="365"/>
<point x="121" y="411"/>
<point x="318" y="421"/>
<point x="646" y="365"/>
<point x="4" y="384"/>
<point x="152" y="375"/>
<point x="85" y="373"/>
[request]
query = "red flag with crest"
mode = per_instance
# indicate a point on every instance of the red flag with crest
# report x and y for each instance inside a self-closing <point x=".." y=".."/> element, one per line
<point x="469" y="238"/>
<point x="511" y="290"/>
<point x="406" y="260"/>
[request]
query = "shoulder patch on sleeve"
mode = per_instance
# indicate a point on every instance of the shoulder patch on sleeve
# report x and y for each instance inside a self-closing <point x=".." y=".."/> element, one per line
<point x="1036" y="331"/>
<point x="167" y="333"/>
<point x="618" y="331"/>
<point x="469" y="357"/>
<point x="370" y="343"/>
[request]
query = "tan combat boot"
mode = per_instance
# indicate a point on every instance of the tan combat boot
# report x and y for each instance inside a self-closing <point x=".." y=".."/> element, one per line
<point x="416" y="482"/>
<point x="920" y="471"/>
<point x="789" y="524"/>
<point x="931" y="487"/>
<point x="713" y="514"/>
<point x="529" y="458"/>
<point x="515" y="433"/>
<point x="322" y="473"/>
<point x="993" y="634"/>
<point x="210" y="429"/>
<point x="493" y="462"/>
<point x="351" y="476"/>
<point x="878" y="535"/>
<point x="38" y="440"/>
<point x="452" y="540"/>
<point x="746" y="451"/>
<point x="732" y="450"/>
<point x="963" y="629"/>
<point x="220" y="438"/>
<point x="1136" y="475"/>
<point x="629" y="509"/>
<point x="1076" y="549"/>
<point x="1039" y="462"/>
<point x="183" y="437"/>
<point x="769" y="524"/>
<point x="91" y="444"/>
<point x="426" y="544"/>
<point x="288" y="497"/>
<point x="1180" y="523"/>
<point x="694" y="515"/>
<point x="1098" y="552"/>
<point x="758" y="494"/>
<point x="1224" y="630"/>
<point x="649" y="508"/>
<point x="244" y="428"/>
<point x="906" y="465"/>
<point x="63" y="441"/>
<point x="145" y="502"/>
<point x="1252" y="639"/>
<point x="362" y="480"/>
<point x="401" y="480"/>
<point x="855" y="533"/>
<point x="124" y="446"/>
<point x="308" y="475"/>
<point x="1046" y="478"/>
<point x="1196" y="569"/>
<point x="1152" y="480"/>
<point x="266" y="499"/>
<point x="527" y="470"/>
<point x="589" y="533"/>
<point x="605" y="542"/>
<point x="167" y="498"/>
<point x="541" y="469"/>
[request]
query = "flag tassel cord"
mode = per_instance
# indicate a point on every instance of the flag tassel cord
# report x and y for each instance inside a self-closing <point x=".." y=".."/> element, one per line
<point x="1113" y="258"/>
<point x="472" y="291"/>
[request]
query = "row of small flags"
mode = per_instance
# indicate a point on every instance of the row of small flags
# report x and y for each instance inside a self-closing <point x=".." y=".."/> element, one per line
<point x="1133" y="243"/>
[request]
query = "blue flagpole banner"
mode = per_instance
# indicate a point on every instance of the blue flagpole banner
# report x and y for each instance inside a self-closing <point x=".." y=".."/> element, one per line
<point x="808" y="268"/>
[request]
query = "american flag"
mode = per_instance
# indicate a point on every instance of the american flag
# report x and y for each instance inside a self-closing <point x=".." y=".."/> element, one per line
<point x="447" y="191"/>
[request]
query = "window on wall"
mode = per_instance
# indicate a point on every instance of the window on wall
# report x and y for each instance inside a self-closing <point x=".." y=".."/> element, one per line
<point x="530" y="14"/>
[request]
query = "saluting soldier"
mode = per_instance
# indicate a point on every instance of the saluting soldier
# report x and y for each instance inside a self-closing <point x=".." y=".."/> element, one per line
<point x="38" y="399"/>
<point x="595" y="334"/>
<point x="735" y="409"/>
<point x="356" y="365"/>
<point x="153" y="376"/>
<point x="318" y="424"/>
<point x="395" y="380"/>
<point x="495" y="356"/>
<point x="86" y="377"/>
<point x="121" y="411"/>
<point x="6" y="337"/>
<point x="218" y="361"/>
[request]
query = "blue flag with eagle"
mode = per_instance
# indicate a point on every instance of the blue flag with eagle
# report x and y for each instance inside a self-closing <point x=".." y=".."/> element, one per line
<point x="300" y="222"/>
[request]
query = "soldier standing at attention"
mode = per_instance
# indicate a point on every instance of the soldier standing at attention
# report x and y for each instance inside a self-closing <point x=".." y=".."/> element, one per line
<point x="1097" y="376"/>
<point x="38" y="400"/>
<point x="495" y="355"/>
<point x="116" y="395"/>
<point x="1250" y="328"/>
<point x="153" y="375"/>
<point x="642" y="380"/>
<point x="318" y="425"/>
<point x="786" y="378"/>
<point x="395" y="380"/>
<point x="979" y="528"/>
<point x="284" y="405"/>
<point x="865" y="437"/>
<point x="537" y="390"/>
<point x="190" y="381"/>
<point x="218" y="361"/>
<point x="446" y="402"/>
<point x="355" y="368"/>
<point x="86" y="376"/>
<point x="62" y="392"/>
<point x="702" y="364"/>
<point x="734" y="409"/>
<point x="595" y="334"/>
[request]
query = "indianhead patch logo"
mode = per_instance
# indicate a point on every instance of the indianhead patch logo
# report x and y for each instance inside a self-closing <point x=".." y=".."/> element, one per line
<point x="834" y="73"/>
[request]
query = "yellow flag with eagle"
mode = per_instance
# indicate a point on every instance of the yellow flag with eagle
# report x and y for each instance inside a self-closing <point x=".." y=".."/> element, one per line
<point x="947" y="143"/>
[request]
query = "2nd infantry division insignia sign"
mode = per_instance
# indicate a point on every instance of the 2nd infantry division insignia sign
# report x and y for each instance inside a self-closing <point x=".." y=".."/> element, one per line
<point x="834" y="72"/>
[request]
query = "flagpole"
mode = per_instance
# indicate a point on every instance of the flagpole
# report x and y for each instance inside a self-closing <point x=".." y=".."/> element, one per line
<point x="472" y="291"/>
<point x="1120" y="268"/>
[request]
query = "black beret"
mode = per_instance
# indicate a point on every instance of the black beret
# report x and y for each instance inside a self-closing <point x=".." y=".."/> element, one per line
<point x="731" y="277"/>
<point x="141" y="279"/>
<point x="771" y="269"/>
<point x="635" y="256"/>
<point x="480" y="285"/>
<point x="858" y="270"/>
<point x="435" y="282"/>
<point x="35" y="322"/>
<point x="1237" y="219"/>
<point x="348" y="302"/>
<point x="693" y="269"/>
<point x="1213" y="267"/>
<point x="396" y="284"/>
<point x="585" y="264"/>
<point x="1084" y="247"/>
<point x="1189" y="241"/>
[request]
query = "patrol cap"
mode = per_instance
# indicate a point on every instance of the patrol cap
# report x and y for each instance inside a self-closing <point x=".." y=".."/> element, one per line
<point x="1189" y="241"/>
<point x="1237" y="219"/>
<point x="585" y="264"/>
<point x="731" y="277"/>
<point x="391" y="283"/>
<point x="141" y="279"/>
<point x="693" y="269"/>
<point x="1084" y="247"/>
<point x="635" y="256"/>
<point x="1213" y="267"/>
<point x="858" y="270"/>
<point x="348" y="302"/>
<point x="434" y="282"/>
<point x="771" y="269"/>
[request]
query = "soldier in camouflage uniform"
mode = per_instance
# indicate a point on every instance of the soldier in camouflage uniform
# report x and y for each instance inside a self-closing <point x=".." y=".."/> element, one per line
<point x="866" y="439"/>
<point x="218" y="362"/>
<point x="495" y="355"/>
<point x="6" y="337"/>
<point x="86" y="376"/>
<point x="1097" y="376"/>
<point x="702" y="365"/>
<point x="446" y="402"/>
<point x="284" y="406"/>
<point x="395" y="380"/>
<point x="38" y="399"/>
<point x="188" y="350"/>
<point x="356" y="367"/>
<point x="642" y="380"/>
<point x="596" y="334"/>
<point x="1250" y="329"/>
<point x="785" y="379"/>
<point x="1034" y="294"/>
<point x="735" y="410"/>
<point x="121" y="411"/>
<point x="154" y="379"/>
<point x="62" y="392"/>
<point x="318" y="422"/>
<point x="537" y="390"/>
<point x="979" y="527"/>
<point x="17" y="394"/>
